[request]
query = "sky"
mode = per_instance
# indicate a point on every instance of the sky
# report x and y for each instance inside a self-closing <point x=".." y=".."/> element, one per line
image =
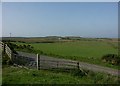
<point x="60" y="0"/>
<point x="36" y="19"/>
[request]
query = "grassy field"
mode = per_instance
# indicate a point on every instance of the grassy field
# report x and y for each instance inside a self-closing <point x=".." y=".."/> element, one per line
<point x="82" y="48"/>
<point x="87" y="51"/>
<point x="15" y="75"/>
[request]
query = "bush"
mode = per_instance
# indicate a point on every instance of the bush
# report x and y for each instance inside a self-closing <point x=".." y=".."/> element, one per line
<point x="112" y="59"/>
<point x="12" y="46"/>
<point x="79" y="73"/>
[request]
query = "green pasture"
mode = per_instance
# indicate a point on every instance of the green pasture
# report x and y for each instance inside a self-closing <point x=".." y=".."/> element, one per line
<point x="82" y="48"/>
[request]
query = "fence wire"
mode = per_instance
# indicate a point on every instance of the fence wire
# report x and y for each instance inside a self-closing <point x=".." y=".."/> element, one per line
<point x="24" y="61"/>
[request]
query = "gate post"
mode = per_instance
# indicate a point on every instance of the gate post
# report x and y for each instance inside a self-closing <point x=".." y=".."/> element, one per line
<point x="38" y="62"/>
<point x="4" y="47"/>
<point x="78" y="65"/>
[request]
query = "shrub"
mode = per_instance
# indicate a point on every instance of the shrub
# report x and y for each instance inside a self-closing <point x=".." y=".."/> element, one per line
<point x="79" y="73"/>
<point x="24" y="46"/>
<point x="12" y="46"/>
<point x="112" y="59"/>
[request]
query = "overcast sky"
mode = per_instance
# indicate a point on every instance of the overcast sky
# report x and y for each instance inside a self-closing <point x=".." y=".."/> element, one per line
<point x="60" y="19"/>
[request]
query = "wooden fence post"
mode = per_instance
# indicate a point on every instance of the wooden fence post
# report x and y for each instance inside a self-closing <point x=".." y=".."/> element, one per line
<point x="78" y="65"/>
<point x="11" y="55"/>
<point x="57" y="63"/>
<point x="38" y="62"/>
<point x="4" y="48"/>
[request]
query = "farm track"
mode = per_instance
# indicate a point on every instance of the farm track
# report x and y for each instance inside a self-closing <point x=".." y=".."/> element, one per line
<point x="84" y="65"/>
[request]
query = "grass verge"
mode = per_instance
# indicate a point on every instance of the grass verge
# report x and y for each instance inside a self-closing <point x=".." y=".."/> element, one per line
<point x="15" y="75"/>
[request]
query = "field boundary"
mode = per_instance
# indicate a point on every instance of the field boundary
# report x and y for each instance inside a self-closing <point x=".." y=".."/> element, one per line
<point x="6" y="49"/>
